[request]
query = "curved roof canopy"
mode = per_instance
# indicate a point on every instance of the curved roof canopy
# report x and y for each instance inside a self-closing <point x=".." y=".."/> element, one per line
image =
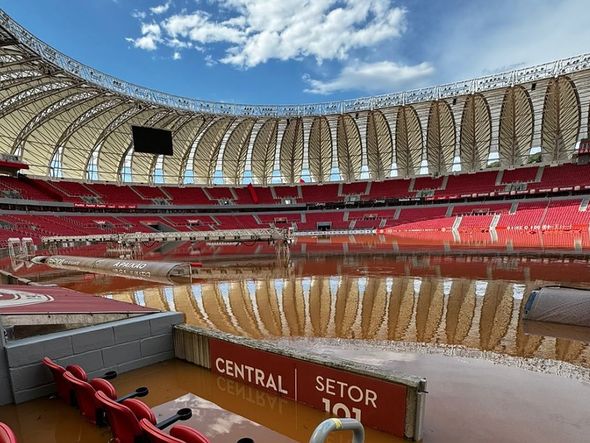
<point x="68" y="120"/>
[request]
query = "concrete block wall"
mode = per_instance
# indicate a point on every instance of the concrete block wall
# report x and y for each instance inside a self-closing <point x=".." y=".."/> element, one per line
<point x="5" y="388"/>
<point x="122" y="346"/>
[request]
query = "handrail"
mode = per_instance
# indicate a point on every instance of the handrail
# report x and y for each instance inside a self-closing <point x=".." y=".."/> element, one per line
<point x="106" y="81"/>
<point x="320" y="435"/>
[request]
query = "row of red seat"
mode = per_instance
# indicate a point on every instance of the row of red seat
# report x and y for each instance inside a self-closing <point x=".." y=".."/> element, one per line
<point x="531" y="179"/>
<point x="554" y="214"/>
<point x="541" y="215"/>
<point x="130" y="419"/>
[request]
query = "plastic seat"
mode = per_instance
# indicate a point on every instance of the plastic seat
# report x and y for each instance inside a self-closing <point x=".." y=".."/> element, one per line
<point x="178" y="434"/>
<point x="6" y="434"/>
<point x="84" y="392"/>
<point x="63" y="387"/>
<point x="124" y="417"/>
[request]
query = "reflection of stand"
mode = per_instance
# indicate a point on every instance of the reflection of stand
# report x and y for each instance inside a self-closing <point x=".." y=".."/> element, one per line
<point x="20" y="251"/>
<point x="283" y="252"/>
<point x="283" y="247"/>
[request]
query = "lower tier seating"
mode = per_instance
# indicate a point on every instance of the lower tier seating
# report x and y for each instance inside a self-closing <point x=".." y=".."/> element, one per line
<point x="564" y="214"/>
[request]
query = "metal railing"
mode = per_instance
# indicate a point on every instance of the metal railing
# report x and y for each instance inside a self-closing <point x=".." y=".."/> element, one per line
<point x="96" y="77"/>
<point x="320" y="435"/>
<point x="222" y="235"/>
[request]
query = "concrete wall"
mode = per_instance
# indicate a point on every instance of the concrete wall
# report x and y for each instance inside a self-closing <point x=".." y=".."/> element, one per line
<point x="5" y="388"/>
<point x="121" y="346"/>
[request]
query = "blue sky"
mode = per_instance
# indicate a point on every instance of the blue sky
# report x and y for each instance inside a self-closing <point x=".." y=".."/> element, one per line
<point x="298" y="51"/>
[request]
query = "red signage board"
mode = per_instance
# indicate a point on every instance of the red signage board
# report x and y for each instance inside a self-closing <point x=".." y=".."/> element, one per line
<point x="376" y="403"/>
<point x="265" y="370"/>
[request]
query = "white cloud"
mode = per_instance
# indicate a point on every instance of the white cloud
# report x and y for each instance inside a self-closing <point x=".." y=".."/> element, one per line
<point x="140" y="15"/>
<point x="383" y="76"/>
<point x="209" y="61"/>
<point x="197" y="28"/>
<point x="160" y="9"/>
<point x="175" y="43"/>
<point x="261" y="30"/>
<point x="176" y="55"/>
<point x="151" y="36"/>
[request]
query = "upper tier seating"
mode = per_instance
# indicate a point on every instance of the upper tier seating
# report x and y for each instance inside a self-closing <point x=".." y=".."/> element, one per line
<point x="117" y="194"/>
<point x="388" y="189"/>
<point x="520" y="175"/>
<point x="187" y="195"/>
<point x="462" y="185"/>
<point x="321" y="193"/>
<point x="151" y="192"/>
<point x="73" y="191"/>
<point x="354" y="188"/>
<point x="220" y="193"/>
<point x="421" y="183"/>
<point x="243" y="196"/>
<point x="455" y="186"/>
<point x="289" y="192"/>
<point x="564" y="176"/>
<point x="11" y="187"/>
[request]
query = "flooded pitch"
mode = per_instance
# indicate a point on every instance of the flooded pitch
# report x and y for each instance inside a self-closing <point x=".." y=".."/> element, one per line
<point x="454" y="319"/>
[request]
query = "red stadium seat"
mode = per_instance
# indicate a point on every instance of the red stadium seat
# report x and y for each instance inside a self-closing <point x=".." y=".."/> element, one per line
<point x="124" y="417"/>
<point x="178" y="434"/>
<point x="7" y="436"/>
<point x="64" y="387"/>
<point x="85" y="397"/>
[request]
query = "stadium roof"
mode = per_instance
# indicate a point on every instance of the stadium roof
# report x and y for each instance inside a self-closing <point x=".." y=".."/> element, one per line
<point x="69" y="120"/>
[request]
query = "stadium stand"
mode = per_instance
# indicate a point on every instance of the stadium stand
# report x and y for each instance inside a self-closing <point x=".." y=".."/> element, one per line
<point x="549" y="198"/>
<point x="520" y="175"/>
<point x="567" y="177"/>
<point x="323" y="193"/>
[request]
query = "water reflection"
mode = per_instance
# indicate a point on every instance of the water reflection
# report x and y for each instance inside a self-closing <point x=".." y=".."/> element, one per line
<point x="384" y="302"/>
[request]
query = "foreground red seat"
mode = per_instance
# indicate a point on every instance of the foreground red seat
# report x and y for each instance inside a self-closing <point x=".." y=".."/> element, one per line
<point x="84" y="393"/>
<point x="63" y="387"/>
<point x="6" y="434"/>
<point x="124" y="417"/>
<point x="85" y="399"/>
<point x="178" y="434"/>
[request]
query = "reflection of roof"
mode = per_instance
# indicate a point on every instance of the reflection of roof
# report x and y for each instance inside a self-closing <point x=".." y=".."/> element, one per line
<point x="475" y="313"/>
<point x="67" y="119"/>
